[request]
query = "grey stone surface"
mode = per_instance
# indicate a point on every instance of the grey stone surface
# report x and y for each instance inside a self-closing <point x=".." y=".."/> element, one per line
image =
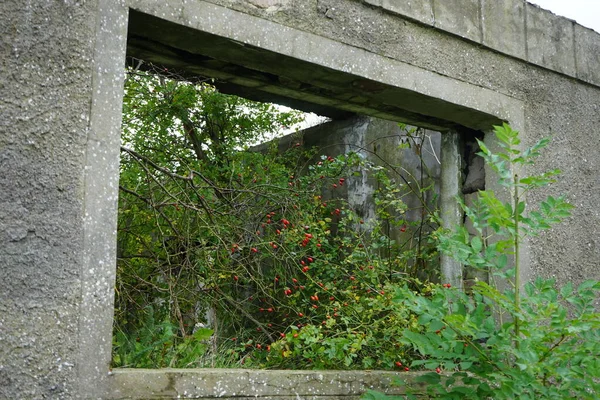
<point x="587" y="54"/>
<point x="504" y="26"/>
<point x="501" y="25"/>
<point x="461" y="17"/>
<point x="228" y="383"/>
<point x="45" y="94"/>
<point x="475" y="179"/>
<point x="419" y="10"/>
<point x="550" y="40"/>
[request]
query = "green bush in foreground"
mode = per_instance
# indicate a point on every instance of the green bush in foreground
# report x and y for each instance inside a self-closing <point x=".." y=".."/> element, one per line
<point x="541" y="342"/>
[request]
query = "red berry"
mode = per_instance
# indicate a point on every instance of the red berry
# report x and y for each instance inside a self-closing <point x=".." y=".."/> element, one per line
<point x="438" y="370"/>
<point x="300" y="314"/>
<point x="398" y="364"/>
<point x="295" y="335"/>
<point x="235" y="278"/>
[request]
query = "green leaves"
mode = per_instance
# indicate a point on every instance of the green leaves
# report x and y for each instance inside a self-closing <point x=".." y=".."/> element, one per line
<point x="542" y="344"/>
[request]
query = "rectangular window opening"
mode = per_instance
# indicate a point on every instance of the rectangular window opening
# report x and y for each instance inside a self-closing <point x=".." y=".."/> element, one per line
<point x="248" y="240"/>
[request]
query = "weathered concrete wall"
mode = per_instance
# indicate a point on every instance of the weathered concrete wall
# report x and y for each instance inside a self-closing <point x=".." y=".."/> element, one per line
<point x="46" y="53"/>
<point x="60" y="94"/>
<point x="378" y="141"/>
<point x="61" y="64"/>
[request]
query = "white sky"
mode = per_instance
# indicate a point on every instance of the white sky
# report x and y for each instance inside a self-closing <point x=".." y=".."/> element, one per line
<point x="585" y="12"/>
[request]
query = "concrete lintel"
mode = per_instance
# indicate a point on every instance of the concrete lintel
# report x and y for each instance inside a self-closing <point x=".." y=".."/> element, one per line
<point x="248" y="384"/>
<point x="550" y="40"/>
<point x="463" y="100"/>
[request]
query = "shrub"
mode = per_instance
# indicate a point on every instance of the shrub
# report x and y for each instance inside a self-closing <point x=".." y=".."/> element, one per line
<point x="506" y="344"/>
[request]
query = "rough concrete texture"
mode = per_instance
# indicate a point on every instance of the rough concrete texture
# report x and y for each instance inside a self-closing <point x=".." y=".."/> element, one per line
<point x="57" y="140"/>
<point x="45" y="95"/>
<point x="294" y="65"/>
<point x="250" y="384"/>
<point x="504" y="26"/>
<point x="550" y="40"/>
<point x="54" y="201"/>
<point x="513" y="27"/>
<point x="421" y="11"/>
<point x="587" y="54"/>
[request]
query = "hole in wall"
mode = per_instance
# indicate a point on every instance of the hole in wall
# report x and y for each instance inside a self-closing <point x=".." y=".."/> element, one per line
<point x="199" y="323"/>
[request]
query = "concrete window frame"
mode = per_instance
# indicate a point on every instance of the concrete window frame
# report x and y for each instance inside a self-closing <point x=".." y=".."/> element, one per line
<point x="102" y="172"/>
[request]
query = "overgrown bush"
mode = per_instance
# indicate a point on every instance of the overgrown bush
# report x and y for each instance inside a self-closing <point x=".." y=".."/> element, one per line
<point x="531" y="341"/>
<point x="230" y="257"/>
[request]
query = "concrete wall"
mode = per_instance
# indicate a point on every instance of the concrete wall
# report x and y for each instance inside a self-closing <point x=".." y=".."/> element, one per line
<point x="378" y="141"/>
<point x="62" y="75"/>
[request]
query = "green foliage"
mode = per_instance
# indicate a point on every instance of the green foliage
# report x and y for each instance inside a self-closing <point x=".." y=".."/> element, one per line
<point x="553" y="357"/>
<point x="540" y="344"/>
<point x="155" y="345"/>
<point x="259" y="246"/>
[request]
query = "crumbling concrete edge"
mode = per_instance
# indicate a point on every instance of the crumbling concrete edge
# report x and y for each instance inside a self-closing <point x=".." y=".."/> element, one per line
<point x="246" y="383"/>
